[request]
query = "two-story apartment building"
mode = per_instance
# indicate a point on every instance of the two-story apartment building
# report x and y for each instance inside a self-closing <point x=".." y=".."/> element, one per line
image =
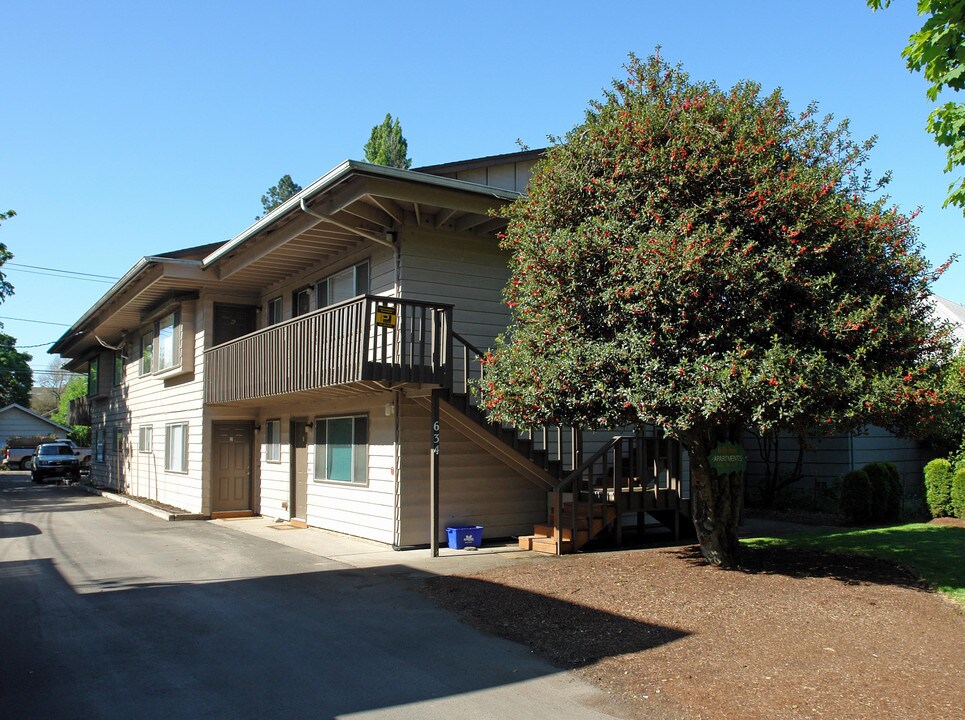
<point x="288" y="371"/>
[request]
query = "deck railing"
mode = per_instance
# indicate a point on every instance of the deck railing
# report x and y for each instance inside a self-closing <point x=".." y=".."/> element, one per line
<point x="369" y="338"/>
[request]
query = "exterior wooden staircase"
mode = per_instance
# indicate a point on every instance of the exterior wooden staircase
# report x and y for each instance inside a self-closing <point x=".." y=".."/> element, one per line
<point x="635" y="474"/>
<point x="627" y="474"/>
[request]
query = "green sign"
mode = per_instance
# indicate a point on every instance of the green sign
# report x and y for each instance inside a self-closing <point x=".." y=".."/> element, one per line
<point x="728" y="458"/>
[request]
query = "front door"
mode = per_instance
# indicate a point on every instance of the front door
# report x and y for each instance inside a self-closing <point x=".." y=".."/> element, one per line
<point x="231" y="474"/>
<point x="298" y="504"/>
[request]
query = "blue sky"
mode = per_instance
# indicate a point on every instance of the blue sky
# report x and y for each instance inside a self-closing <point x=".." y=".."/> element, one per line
<point x="128" y="129"/>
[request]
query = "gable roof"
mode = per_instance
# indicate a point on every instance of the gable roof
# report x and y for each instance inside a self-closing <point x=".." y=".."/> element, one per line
<point x="352" y="204"/>
<point x="18" y="406"/>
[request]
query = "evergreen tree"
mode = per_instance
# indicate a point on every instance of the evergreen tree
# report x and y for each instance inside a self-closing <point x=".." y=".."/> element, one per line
<point x="277" y="194"/>
<point x="387" y="146"/>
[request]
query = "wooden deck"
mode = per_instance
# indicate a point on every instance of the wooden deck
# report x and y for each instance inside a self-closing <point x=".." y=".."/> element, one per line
<point x="368" y="339"/>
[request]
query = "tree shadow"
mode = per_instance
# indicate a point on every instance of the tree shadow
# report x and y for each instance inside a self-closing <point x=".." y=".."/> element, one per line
<point x="327" y="643"/>
<point x="17" y="529"/>
<point x="568" y="634"/>
<point x="800" y="563"/>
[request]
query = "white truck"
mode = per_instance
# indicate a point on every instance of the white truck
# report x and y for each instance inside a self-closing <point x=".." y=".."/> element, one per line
<point x="19" y="452"/>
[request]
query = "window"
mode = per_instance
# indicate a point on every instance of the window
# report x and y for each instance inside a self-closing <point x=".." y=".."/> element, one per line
<point x="274" y="311"/>
<point x="176" y="447"/>
<point x="145" y="438"/>
<point x="341" y="449"/>
<point x="273" y="441"/>
<point x="344" y="285"/>
<point x="147" y="353"/>
<point x="301" y="301"/>
<point x="169" y="341"/>
<point x="118" y="366"/>
<point x="93" y="372"/>
<point x="97" y="436"/>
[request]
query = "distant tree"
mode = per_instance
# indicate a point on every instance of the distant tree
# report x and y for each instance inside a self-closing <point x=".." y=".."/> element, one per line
<point x="938" y="51"/>
<point x="6" y="289"/>
<point x="706" y="261"/>
<point x="277" y="194"/>
<point x="16" y="377"/>
<point x="387" y="146"/>
<point x="45" y="397"/>
<point x="76" y="387"/>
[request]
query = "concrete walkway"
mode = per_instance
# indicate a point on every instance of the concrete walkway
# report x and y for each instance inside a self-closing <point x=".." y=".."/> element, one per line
<point x="360" y="553"/>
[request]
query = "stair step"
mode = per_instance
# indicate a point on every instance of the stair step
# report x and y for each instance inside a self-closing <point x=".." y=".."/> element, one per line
<point x="548" y="531"/>
<point x="526" y="541"/>
<point x="548" y="545"/>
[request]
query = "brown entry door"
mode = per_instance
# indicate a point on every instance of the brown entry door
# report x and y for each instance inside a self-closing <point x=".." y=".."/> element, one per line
<point x="232" y="467"/>
<point x="298" y="505"/>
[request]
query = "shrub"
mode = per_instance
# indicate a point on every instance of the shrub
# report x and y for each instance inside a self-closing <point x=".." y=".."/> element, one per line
<point x="896" y="497"/>
<point x="958" y="493"/>
<point x="886" y="491"/>
<point x="856" y="504"/>
<point x="938" y="487"/>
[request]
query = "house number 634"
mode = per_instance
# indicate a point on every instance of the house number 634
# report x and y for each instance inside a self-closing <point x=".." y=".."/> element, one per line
<point x="435" y="437"/>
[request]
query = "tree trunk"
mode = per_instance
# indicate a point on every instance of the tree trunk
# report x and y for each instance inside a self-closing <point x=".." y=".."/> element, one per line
<point x="716" y="498"/>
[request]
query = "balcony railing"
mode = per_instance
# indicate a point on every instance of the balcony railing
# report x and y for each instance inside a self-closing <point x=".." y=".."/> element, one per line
<point x="368" y="339"/>
<point x="78" y="411"/>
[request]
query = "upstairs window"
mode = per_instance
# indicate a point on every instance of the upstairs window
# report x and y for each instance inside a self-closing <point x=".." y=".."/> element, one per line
<point x="169" y="341"/>
<point x="344" y="285"/>
<point x="118" y="367"/>
<point x="147" y="353"/>
<point x="93" y="377"/>
<point x="274" y="311"/>
<point x="301" y="301"/>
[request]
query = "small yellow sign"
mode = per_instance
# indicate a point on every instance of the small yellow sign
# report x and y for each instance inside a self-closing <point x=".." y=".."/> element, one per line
<point x="385" y="316"/>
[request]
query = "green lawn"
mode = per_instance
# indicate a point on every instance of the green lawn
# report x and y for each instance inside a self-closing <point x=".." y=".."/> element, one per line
<point x="936" y="553"/>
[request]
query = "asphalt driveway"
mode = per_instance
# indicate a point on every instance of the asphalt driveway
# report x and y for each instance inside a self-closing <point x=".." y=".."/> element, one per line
<point x="106" y="612"/>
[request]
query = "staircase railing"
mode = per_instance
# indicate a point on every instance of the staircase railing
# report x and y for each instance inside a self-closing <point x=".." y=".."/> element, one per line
<point x="629" y="473"/>
<point x="556" y="448"/>
<point x="586" y="494"/>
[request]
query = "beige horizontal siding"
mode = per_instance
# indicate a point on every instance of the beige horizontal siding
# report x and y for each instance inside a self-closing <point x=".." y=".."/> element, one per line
<point x="475" y="488"/>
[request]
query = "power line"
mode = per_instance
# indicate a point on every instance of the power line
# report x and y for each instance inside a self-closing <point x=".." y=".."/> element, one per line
<point x="39" y="322"/>
<point x="68" y="272"/>
<point x="66" y="277"/>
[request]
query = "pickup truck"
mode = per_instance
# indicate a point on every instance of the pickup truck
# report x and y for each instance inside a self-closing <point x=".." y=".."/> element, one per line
<point x="20" y="451"/>
<point x="55" y="459"/>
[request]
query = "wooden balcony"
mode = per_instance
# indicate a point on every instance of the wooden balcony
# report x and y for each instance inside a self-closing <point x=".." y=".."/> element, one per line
<point x="367" y="340"/>
<point x="78" y="411"/>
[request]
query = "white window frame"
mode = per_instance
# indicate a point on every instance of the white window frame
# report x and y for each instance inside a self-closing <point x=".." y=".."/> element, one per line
<point x="176" y="447"/>
<point x="358" y="475"/>
<point x="273" y="440"/>
<point x="361" y="277"/>
<point x="167" y="341"/>
<point x="145" y="438"/>
<point x="147" y="353"/>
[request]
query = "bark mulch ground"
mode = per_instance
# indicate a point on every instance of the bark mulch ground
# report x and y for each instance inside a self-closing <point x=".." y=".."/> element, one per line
<point x="794" y="634"/>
